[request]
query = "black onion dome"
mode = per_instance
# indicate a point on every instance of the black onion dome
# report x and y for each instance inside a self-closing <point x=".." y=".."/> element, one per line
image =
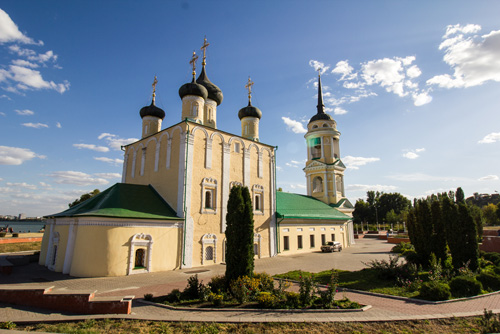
<point x="152" y="110"/>
<point x="249" y="111"/>
<point x="192" y="88"/>
<point x="321" y="116"/>
<point x="214" y="92"/>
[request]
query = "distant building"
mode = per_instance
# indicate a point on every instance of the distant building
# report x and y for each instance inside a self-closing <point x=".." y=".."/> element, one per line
<point x="169" y="211"/>
<point x="22" y="216"/>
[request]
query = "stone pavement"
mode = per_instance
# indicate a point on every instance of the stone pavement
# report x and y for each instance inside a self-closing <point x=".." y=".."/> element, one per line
<point x="383" y="308"/>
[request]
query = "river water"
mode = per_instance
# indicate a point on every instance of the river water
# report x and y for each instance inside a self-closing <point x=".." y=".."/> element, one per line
<point x="23" y="226"/>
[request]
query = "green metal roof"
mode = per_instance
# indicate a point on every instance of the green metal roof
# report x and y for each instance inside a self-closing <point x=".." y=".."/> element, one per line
<point x="305" y="207"/>
<point x="343" y="202"/>
<point x="124" y="200"/>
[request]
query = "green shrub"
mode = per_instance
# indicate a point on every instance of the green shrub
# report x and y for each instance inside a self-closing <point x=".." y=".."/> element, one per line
<point x="244" y="288"/>
<point x="217" y="283"/>
<point x="307" y="290"/>
<point x="148" y="296"/>
<point x="3" y="234"/>
<point x="388" y="269"/>
<point x="216" y="298"/>
<point x="267" y="300"/>
<point x="402" y="247"/>
<point x="411" y="256"/>
<point x="493" y="257"/>
<point x="193" y="289"/>
<point x="434" y="290"/>
<point x="15" y="235"/>
<point x="465" y="286"/>
<point x="346" y="303"/>
<point x="489" y="280"/>
<point x="292" y="300"/>
<point x="266" y="282"/>
<point x="174" y="296"/>
<point x="490" y="323"/>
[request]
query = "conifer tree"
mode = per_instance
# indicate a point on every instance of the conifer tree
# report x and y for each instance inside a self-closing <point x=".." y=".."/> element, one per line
<point x="438" y="236"/>
<point x="239" y="234"/>
<point x="452" y="229"/>
<point x="460" y="197"/>
<point x="469" y="251"/>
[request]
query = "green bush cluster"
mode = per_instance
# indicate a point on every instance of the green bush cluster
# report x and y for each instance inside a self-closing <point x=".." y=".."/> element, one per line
<point x="465" y="286"/>
<point x="402" y="247"/>
<point x="435" y="290"/>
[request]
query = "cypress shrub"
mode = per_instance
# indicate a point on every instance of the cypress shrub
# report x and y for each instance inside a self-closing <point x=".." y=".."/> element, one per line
<point x="489" y="280"/>
<point x="434" y="291"/>
<point x="465" y="286"/>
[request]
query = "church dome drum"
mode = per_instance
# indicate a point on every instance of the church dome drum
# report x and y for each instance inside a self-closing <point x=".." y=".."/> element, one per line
<point x="193" y="88"/>
<point x="152" y="110"/>
<point x="250" y="111"/>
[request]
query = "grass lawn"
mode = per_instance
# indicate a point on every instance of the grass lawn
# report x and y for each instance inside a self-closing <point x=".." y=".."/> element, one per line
<point x="451" y="325"/>
<point x="365" y="279"/>
<point x="19" y="247"/>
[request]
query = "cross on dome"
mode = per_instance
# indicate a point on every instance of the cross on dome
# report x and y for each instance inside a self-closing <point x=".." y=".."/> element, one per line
<point x="154" y="88"/>
<point x="193" y="63"/>
<point x="249" y="87"/>
<point x="204" y="49"/>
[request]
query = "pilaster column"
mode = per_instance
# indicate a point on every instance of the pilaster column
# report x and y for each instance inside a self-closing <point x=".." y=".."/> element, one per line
<point x="143" y="160"/>
<point x="260" y="165"/>
<point x="134" y="156"/>
<point x="124" y="170"/>
<point x="169" y="150"/>
<point x="157" y="156"/>
<point x="208" y="154"/>
<point x="226" y="164"/>
<point x="322" y="148"/>
<point x="246" y="167"/>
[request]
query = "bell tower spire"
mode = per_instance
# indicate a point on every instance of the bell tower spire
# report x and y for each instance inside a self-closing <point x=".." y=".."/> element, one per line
<point x="324" y="170"/>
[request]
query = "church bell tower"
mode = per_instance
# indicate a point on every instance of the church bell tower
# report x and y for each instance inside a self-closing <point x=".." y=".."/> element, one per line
<point x="324" y="170"/>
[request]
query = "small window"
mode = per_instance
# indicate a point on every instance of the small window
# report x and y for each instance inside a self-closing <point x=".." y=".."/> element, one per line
<point x="299" y="242"/>
<point x="326" y="125"/>
<point x="255" y="249"/>
<point x="194" y="111"/>
<point x="323" y="239"/>
<point x="316" y="148"/>
<point x="237" y="147"/>
<point x="312" y="241"/>
<point x="286" y="243"/>
<point x="299" y="229"/>
<point x="54" y="255"/>
<point x="333" y="237"/>
<point x="209" y="253"/>
<point x="315" y="126"/>
<point x="317" y="185"/>
<point x="257" y="203"/>
<point x="246" y="129"/>
<point x="208" y="199"/>
<point x="139" y="258"/>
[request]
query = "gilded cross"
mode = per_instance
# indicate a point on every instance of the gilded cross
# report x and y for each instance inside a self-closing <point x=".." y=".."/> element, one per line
<point x="249" y="87"/>
<point x="319" y="71"/>
<point x="204" y="49"/>
<point x="193" y="63"/>
<point x="154" y="88"/>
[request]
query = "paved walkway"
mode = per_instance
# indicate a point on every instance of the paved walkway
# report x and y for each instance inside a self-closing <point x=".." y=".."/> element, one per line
<point x="353" y="258"/>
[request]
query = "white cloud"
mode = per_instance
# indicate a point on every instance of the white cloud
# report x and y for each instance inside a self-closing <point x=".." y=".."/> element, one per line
<point x="16" y="155"/>
<point x="490" y="138"/>
<point x="279" y="169"/>
<point x="77" y="178"/>
<point x="294" y="126"/>
<point x="28" y="78"/>
<point x="339" y="111"/>
<point x="2" y="113"/>
<point x="298" y="186"/>
<point x="109" y="175"/>
<point x="367" y="187"/>
<point x="413" y="71"/>
<point x="489" y="178"/>
<point x="474" y="59"/>
<point x="22" y="185"/>
<point x="92" y="147"/>
<point x="343" y="68"/>
<point x="412" y="154"/>
<point x="45" y="185"/>
<point x="319" y="65"/>
<point x="419" y="99"/>
<point x="3" y="96"/>
<point x="58" y="125"/>
<point x="355" y="162"/>
<point x="109" y="160"/>
<point x="44" y="57"/>
<point x="24" y="112"/>
<point x="116" y="142"/>
<point x="24" y="63"/>
<point x="9" y="32"/>
<point x="35" y="125"/>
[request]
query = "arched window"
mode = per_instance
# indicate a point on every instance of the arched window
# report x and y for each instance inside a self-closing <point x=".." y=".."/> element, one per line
<point x="317" y="184"/>
<point x="316" y="148"/>
<point x="194" y="111"/>
<point x="257" y="202"/>
<point x="315" y="126"/>
<point x="140" y="256"/>
<point x="208" y="199"/>
<point x="209" y="253"/>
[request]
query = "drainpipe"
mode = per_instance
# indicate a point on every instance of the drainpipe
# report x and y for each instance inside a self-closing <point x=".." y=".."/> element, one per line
<point x="276" y="204"/>
<point x="185" y="182"/>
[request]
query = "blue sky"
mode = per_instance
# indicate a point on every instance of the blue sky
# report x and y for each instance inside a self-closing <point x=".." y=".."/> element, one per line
<point x="414" y="88"/>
